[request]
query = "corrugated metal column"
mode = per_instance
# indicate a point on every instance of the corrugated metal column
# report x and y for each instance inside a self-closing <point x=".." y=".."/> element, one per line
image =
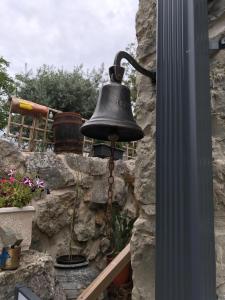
<point x="185" y="258"/>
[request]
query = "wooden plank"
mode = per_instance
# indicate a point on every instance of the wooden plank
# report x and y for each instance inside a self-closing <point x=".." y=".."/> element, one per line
<point x="21" y="131"/>
<point x="93" y="291"/>
<point x="9" y="119"/>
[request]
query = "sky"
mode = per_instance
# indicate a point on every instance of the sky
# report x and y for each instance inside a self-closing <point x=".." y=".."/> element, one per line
<point x="65" y="33"/>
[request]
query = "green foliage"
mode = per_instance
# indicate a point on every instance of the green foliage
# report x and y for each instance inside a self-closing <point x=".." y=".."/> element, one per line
<point x="15" y="194"/>
<point x="122" y="226"/>
<point x="17" y="190"/>
<point x="4" y="111"/>
<point x="6" y="88"/>
<point x="6" y="82"/>
<point x="63" y="90"/>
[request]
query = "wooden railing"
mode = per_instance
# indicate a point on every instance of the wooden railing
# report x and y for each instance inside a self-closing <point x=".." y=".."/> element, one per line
<point x="105" y="278"/>
<point x="36" y="134"/>
<point x="30" y="132"/>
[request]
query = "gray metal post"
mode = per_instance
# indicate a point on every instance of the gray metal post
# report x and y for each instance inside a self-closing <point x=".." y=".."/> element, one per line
<point x="185" y="254"/>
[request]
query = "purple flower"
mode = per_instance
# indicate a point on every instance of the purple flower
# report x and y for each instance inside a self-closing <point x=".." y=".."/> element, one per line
<point x="28" y="181"/>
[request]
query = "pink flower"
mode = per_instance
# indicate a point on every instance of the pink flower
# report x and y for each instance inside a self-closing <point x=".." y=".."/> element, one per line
<point x="12" y="172"/>
<point x="40" y="183"/>
<point x="28" y="181"/>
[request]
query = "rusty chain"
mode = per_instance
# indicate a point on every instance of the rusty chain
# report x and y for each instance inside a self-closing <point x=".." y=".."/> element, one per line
<point x="110" y="189"/>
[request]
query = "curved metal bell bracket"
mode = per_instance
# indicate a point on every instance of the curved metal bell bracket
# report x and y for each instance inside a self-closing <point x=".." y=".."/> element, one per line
<point x="116" y="71"/>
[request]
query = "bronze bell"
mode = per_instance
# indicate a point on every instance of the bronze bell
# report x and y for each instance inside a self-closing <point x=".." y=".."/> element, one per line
<point x="113" y="116"/>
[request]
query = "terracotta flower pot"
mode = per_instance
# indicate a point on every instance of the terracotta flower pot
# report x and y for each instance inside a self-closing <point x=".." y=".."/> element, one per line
<point x="124" y="276"/>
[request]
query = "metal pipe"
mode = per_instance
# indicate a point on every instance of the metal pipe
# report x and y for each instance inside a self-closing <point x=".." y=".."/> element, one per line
<point x="185" y="247"/>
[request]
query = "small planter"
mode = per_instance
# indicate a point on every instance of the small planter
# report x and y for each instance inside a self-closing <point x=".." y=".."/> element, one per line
<point x="20" y="221"/>
<point x="103" y="151"/>
<point x="71" y="261"/>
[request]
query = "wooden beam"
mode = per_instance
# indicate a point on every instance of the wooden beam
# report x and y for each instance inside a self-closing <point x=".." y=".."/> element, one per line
<point x="93" y="291"/>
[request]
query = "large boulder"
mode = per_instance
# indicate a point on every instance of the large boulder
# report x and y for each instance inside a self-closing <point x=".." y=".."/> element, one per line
<point x="84" y="227"/>
<point x="36" y="272"/>
<point x="54" y="212"/>
<point x="50" y="167"/>
<point x="88" y="165"/>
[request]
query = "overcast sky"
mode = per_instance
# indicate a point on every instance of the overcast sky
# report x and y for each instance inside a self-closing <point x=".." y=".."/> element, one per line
<point x="65" y="32"/>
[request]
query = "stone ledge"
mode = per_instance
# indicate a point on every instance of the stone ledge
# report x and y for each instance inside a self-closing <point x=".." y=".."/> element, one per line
<point x="37" y="272"/>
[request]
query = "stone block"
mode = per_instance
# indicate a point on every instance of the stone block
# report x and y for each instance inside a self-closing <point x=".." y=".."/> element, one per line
<point x="88" y="165"/>
<point x="11" y="157"/>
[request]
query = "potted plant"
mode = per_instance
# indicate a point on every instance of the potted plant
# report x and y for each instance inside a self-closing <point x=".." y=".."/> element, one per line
<point x="103" y="150"/>
<point x="16" y="193"/>
<point x="121" y="233"/>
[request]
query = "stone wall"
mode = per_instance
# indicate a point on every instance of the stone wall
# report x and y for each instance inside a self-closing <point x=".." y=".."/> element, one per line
<point x="65" y="173"/>
<point x="36" y="272"/>
<point x="143" y="242"/>
<point x="77" y="184"/>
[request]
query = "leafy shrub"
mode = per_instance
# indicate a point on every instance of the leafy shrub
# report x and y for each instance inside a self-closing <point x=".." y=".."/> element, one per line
<point x="122" y="226"/>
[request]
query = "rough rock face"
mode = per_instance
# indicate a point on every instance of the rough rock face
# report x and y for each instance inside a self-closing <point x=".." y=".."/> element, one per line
<point x="11" y="157"/>
<point x="36" y="271"/>
<point x="142" y="245"/>
<point x="218" y="113"/>
<point x="51" y="167"/>
<point x="78" y="186"/>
